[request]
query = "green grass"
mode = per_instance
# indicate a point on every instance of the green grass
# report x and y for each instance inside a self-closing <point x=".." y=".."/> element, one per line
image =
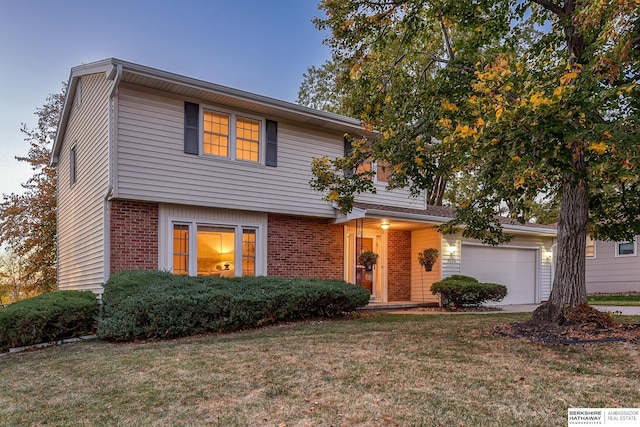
<point x="372" y="370"/>
<point x="627" y="299"/>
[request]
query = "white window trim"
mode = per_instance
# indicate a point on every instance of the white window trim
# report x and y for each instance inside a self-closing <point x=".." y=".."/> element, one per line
<point x="193" y="243"/>
<point x="619" y="255"/>
<point x="595" y="250"/>
<point x="73" y="164"/>
<point x="233" y="117"/>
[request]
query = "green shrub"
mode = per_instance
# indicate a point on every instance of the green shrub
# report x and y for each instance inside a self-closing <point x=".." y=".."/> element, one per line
<point x="465" y="291"/>
<point x="139" y="305"/>
<point x="47" y="317"/>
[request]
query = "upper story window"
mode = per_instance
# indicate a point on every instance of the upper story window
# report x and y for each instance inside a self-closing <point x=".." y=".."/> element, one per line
<point x="224" y="134"/>
<point x="248" y="140"/>
<point x="216" y="134"/>
<point x="590" y="247"/>
<point x="382" y="172"/>
<point x="227" y="134"/>
<point x="72" y="165"/>
<point x="626" y="248"/>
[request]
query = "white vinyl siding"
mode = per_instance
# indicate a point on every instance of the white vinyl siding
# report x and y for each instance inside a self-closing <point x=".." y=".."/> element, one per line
<point x="81" y="211"/>
<point x="610" y="273"/>
<point x="422" y="280"/>
<point x="152" y="165"/>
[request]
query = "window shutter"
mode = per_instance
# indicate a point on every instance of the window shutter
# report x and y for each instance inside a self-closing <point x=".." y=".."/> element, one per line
<point x="348" y="173"/>
<point x="191" y="128"/>
<point x="272" y="143"/>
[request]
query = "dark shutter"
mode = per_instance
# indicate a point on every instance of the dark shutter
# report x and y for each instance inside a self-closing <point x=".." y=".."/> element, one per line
<point x="348" y="173"/>
<point x="191" y="128"/>
<point x="272" y="143"/>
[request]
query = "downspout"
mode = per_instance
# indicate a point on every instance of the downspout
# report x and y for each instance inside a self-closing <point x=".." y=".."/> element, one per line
<point x="114" y="74"/>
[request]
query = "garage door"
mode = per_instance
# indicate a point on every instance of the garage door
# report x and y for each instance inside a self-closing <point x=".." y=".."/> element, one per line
<point x="514" y="268"/>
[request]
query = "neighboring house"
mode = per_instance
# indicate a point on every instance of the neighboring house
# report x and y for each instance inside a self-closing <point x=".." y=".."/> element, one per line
<point x="612" y="266"/>
<point x="161" y="171"/>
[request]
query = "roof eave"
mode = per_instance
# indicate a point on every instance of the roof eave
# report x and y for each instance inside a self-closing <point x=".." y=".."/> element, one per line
<point x="107" y="66"/>
<point x="432" y="219"/>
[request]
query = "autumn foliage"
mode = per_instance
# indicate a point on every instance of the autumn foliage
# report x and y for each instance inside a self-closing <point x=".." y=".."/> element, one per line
<point x="28" y="219"/>
<point x="528" y="101"/>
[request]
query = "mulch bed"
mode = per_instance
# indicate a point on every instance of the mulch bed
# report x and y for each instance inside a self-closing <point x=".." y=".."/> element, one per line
<point x="582" y="325"/>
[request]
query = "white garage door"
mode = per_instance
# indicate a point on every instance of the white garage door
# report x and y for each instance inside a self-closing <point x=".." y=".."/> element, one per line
<point x="514" y="268"/>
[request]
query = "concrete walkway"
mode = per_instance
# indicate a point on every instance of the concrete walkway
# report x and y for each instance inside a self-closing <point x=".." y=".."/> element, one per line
<point x="619" y="309"/>
<point x="615" y="309"/>
<point x="515" y="308"/>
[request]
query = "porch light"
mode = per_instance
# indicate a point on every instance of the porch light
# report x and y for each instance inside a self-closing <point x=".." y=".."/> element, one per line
<point x="452" y="250"/>
<point x="384" y="225"/>
<point x="548" y="254"/>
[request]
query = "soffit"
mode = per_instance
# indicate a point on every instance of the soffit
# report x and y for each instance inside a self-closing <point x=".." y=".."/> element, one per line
<point x="236" y="99"/>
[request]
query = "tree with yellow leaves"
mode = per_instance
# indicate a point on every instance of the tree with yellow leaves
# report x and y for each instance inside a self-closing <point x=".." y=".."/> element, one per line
<point x="536" y="98"/>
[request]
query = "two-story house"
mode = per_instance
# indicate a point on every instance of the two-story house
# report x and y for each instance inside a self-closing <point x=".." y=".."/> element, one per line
<point x="160" y="171"/>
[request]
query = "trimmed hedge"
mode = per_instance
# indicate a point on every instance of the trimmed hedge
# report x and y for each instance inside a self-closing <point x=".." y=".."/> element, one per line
<point x="465" y="291"/>
<point x="47" y="317"/>
<point x="142" y="304"/>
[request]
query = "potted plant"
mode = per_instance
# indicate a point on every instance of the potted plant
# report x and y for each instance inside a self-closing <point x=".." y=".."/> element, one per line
<point x="368" y="259"/>
<point x="428" y="257"/>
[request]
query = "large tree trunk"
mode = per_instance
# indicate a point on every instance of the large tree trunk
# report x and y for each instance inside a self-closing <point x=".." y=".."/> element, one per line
<point x="569" y="287"/>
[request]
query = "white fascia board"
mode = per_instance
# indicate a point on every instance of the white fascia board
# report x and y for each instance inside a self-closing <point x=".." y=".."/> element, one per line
<point x="407" y="216"/>
<point x="520" y="229"/>
<point x="530" y="230"/>
<point x="356" y="213"/>
<point x="265" y="101"/>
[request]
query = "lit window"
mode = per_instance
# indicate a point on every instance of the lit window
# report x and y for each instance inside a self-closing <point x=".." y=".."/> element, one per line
<point x="216" y="251"/>
<point x="364" y="167"/>
<point x="382" y="172"/>
<point x="216" y="134"/>
<point x="590" y="247"/>
<point x="180" y="249"/>
<point x="625" y="248"/>
<point x="248" y="252"/>
<point x="247" y="139"/>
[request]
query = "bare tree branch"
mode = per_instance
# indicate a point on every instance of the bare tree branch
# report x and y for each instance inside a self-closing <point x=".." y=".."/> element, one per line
<point x="447" y="41"/>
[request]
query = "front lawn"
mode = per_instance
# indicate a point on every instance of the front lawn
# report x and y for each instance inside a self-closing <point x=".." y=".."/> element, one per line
<point x="372" y="370"/>
<point x="622" y="299"/>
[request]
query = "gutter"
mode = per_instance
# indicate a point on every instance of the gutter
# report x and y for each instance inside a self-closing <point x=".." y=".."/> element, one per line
<point x="257" y="99"/>
<point x="114" y="73"/>
<point x="376" y="213"/>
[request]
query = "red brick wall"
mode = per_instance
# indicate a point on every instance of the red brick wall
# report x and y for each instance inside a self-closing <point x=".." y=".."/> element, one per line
<point x="304" y="247"/>
<point x="134" y="236"/>
<point x="399" y="268"/>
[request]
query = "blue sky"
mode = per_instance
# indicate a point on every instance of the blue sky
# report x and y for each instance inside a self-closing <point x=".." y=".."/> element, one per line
<point x="262" y="46"/>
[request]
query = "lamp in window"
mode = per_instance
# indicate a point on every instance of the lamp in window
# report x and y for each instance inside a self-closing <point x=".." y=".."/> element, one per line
<point x="385" y="224"/>
<point x="227" y="260"/>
